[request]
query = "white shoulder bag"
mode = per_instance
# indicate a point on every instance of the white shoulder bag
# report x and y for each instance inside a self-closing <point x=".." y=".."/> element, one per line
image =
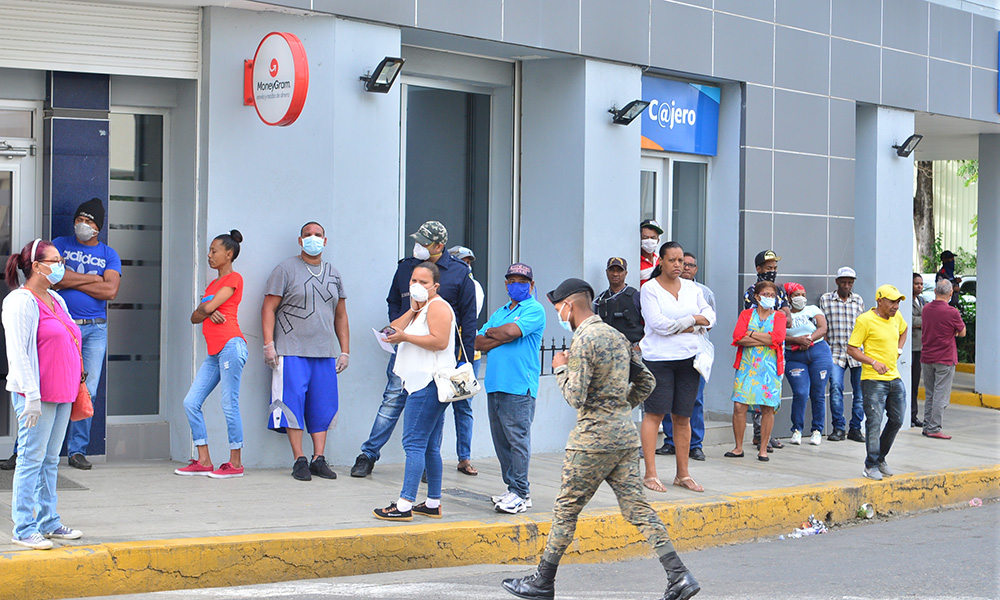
<point x="457" y="383"/>
<point x="706" y="355"/>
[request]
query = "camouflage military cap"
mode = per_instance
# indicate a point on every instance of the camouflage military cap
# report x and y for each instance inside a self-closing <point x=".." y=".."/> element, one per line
<point x="431" y="232"/>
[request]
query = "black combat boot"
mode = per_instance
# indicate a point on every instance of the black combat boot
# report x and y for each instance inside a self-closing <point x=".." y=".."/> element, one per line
<point x="541" y="584"/>
<point x="681" y="585"/>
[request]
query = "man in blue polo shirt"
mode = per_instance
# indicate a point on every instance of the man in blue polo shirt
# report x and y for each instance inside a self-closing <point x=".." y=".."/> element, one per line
<point x="512" y="337"/>
<point x="93" y="274"/>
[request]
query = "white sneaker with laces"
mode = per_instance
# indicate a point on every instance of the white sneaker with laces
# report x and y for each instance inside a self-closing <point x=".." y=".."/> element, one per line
<point x="796" y="438"/>
<point x="34" y="541"/>
<point x="514" y="505"/>
<point x="816" y="439"/>
<point x="64" y="533"/>
<point x="504" y="497"/>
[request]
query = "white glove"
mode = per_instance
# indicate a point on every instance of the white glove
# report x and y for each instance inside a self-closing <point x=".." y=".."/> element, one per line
<point x="681" y="324"/>
<point x="270" y="356"/>
<point x="31" y="413"/>
<point x="343" y="361"/>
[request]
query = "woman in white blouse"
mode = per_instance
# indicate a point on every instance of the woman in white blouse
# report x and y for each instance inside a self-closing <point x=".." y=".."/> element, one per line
<point x="675" y="311"/>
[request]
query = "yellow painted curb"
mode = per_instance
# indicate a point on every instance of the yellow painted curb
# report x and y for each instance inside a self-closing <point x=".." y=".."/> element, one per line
<point x="965" y="367"/>
<point x="142" y="567"/>
<point x="968" y="399"/>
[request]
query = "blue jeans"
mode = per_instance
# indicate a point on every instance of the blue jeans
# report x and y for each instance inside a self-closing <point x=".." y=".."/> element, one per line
<point x="510" y="423"/>
<point x="837" y="397"/>
<point x="423" y="422"/>
<point x="807" y="372"/>
<point x="95" y="346"/>
<point x="224" y="368"/>
<point x="697" y="421"/>
<point x="463" y="422"/>
<point x="887" y="397"/>
<point x="33" y="507"/>
<point x="393" y="401"/>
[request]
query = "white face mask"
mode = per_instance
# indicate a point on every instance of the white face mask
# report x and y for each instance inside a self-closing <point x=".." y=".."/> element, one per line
<point x="84" y="232"/>
<point x="420" y="252"/>
<point x="798" y="302"/>
<point x="418" y="292"/>
<point x="649" y="245"/>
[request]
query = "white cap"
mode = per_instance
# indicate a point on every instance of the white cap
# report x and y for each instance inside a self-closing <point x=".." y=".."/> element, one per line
<point x="846" y="272"/>
<point x="461" y="252"/>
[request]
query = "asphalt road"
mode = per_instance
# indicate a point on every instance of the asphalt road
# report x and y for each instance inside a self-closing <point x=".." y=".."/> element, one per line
<point x="952" y="554"/>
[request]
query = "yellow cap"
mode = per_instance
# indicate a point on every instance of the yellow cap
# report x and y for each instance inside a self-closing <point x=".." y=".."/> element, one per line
<point x="889" y="292"/>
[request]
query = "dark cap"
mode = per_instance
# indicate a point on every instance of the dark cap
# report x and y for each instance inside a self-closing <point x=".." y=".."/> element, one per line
<point x="617" y="261"/>
<point x="764" y="256"/>
<point x="568" y="288"/>
<point x="652" y="224"/>
<point x="947" y="255"/>
<point x="519" y="269"/>
<point x="431" y="232"/>
<point x="93" y="209"/>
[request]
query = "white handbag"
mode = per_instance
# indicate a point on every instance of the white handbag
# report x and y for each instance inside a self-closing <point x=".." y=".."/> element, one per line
<point x="457" y="383"/>
<point x="705" y="357"/>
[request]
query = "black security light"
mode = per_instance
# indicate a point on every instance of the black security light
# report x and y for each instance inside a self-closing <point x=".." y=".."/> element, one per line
<point x="628" y="113"/>
<point x="907" y="147"/>
<point x="384" y="75"/>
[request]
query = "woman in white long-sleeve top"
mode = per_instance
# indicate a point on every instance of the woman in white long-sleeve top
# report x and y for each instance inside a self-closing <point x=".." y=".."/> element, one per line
<point x="45" y="368"/>
<point x="673" y="310"/>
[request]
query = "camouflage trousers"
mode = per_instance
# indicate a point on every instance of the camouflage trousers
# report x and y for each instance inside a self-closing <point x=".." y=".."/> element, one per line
<point x="582" y="474"/>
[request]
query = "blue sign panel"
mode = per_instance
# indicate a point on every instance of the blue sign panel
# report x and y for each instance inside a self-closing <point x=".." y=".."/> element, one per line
<point x="682" y="117"/>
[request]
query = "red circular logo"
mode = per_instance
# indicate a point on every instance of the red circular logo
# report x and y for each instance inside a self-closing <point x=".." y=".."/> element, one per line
<point x="274" y="67"/>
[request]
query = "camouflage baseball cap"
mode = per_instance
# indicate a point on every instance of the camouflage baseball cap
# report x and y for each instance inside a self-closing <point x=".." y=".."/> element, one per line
<point x="431" y="232"/>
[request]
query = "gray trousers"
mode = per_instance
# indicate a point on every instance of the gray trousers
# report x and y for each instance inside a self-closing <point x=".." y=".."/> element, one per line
<point x="937" y="389"/>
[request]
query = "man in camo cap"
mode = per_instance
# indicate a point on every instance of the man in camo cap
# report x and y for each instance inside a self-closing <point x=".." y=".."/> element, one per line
<point x="457" y="289"/>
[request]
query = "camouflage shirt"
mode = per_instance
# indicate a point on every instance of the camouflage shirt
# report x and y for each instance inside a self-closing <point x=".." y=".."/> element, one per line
<point x="595" y="383"/>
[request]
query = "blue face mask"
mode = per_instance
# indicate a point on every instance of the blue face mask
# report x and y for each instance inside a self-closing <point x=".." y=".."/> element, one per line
<point x="58" y="271"/>
<point x="565" y="324"/>
<point x="767" y="303"/>
<point x="312" y="245"/>
<point x="519" y="291"/>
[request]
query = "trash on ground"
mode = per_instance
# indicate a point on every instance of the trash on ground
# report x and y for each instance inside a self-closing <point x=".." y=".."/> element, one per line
<point x="811" y="527"/>
<point x="975" y="502"/>
<point x="866" y="511"/>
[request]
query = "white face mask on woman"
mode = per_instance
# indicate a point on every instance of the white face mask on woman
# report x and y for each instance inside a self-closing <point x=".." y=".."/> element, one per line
<point x="418" y="292"/>
<point x="798" y="302"/>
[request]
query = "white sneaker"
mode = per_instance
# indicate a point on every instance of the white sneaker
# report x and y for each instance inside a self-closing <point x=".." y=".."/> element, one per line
<point x="514" y="505"/>
<point x="64" y="533"/>
<point x="504" y="497"/>
<point x="796" y="438"/>
<point x="34" y="541"/>
<point x="816" y="439"/>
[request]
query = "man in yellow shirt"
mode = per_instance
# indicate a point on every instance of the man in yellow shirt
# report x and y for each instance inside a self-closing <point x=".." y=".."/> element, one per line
<point x="877" y="341"/>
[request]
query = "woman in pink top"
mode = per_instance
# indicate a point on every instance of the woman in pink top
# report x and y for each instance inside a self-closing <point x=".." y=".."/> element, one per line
<point x="45" y="369"/>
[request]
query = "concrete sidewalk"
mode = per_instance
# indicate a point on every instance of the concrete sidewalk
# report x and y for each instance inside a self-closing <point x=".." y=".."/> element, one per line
<point x="147" y="529"/>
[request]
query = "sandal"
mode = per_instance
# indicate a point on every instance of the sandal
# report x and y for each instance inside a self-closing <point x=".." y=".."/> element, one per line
<point x="466" y="467"/>
<point x="688" y="484"/>
<point x="654" y="483"/>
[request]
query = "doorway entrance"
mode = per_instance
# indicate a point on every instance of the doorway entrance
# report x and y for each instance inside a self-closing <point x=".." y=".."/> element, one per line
<point x="674" y="191"/>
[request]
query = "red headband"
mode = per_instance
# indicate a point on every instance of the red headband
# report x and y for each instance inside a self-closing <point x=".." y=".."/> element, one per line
<point x="791" y="287"/>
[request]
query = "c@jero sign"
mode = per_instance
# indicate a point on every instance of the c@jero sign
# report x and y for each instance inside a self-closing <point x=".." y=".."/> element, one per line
<point x="275" y="82"/>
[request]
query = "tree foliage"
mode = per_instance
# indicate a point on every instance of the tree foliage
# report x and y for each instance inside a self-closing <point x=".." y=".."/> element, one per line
<point x="969" y="170"/>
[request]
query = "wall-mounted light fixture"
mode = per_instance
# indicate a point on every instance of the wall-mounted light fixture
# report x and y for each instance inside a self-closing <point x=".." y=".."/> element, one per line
<point x="381" y="79"/>
<point x="906" y="148"/>
<point x="627" y="113"/>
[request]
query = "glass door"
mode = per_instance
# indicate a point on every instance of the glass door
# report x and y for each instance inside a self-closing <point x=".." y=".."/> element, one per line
<point x="674" y="190"/>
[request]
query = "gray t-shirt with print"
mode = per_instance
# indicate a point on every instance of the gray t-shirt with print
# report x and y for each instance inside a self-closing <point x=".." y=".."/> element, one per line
<point x="303" y="323"/>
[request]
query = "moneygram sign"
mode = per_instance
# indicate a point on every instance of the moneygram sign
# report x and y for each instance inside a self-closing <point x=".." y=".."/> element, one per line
<point x="277" y="79"/>
<point x="682" y="117"/>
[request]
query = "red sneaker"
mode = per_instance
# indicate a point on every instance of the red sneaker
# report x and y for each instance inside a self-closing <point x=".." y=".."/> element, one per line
<point x="938" y="435"/>
<point x="194" y="468"/>
<point x="226" y="471"/>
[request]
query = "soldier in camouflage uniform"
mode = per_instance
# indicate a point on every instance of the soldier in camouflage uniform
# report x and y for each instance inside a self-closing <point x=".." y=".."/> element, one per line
<point x="603" y="378"/>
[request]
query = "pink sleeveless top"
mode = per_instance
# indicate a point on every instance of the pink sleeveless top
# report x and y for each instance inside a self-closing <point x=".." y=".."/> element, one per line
<point x="59" y="364"/>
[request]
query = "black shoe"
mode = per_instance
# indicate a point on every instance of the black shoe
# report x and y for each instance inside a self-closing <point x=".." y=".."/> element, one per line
<point x="540" y="584"/>
<point x="681" y="588"/>
<point x="838" y="435"/>
<point x="697" y="454"/>
<point x="391" y="513"/>
<point x="8" y="464"/>
<point x="319" y="468"/>
<point x="856" y="435"/>
<point x="79" y="461"/>
<point x="916" y="423"/>
<point x="362" y="466"/>
<point x="421" y="509"/>
<point x="300" y="470"/>
<point x="665" y="449"/>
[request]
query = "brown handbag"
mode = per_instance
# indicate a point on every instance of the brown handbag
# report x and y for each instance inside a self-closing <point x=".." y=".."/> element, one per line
<point x="83" y="406"/>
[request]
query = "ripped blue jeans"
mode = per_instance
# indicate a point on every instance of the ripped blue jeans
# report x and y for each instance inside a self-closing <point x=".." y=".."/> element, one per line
<point x="808" y="372"/>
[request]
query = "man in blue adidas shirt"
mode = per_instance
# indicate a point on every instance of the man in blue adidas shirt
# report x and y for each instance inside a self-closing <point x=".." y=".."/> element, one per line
<point x="93" y="273"/>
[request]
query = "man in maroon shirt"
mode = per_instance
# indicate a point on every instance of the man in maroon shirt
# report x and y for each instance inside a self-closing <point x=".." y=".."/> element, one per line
<point x="941" y="325"/>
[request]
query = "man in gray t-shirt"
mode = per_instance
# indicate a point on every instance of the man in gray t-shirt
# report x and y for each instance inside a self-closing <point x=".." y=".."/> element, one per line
<point x="304" y="309"/>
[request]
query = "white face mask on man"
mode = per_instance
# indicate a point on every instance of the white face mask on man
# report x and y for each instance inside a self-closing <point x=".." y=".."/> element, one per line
<point x="649" y="245"/>
<point x="84" y="232"/>
<point x="420" y="252"/>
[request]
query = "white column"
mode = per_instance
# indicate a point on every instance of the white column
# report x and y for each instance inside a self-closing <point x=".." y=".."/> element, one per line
<point x="988" y="268"/>
<point x="883" y="222"/>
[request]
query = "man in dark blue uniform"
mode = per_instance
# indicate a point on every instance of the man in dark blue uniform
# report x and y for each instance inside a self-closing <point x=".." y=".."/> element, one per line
<point x="457" y="289"/>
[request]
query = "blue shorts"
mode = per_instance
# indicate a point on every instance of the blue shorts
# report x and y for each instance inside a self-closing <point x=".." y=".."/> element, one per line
<point x="303" y="392"/>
